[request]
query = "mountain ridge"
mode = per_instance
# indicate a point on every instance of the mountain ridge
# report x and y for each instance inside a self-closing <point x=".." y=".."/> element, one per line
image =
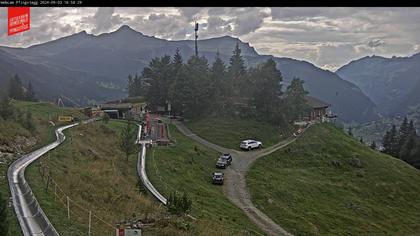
<point x="387" y="81"/>
<point x="112" y="56"/>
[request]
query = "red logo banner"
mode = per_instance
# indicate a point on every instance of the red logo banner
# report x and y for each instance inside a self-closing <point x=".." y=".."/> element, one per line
<point x="19" y="20"/>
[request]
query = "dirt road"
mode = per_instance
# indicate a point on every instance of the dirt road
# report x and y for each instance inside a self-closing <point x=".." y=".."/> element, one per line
<point x="235" y="184"/>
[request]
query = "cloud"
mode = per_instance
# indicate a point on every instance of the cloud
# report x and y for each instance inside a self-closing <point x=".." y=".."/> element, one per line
<point x="248" y="21"/>
<point x="103" y="20"/>
<point x="328" y="37"/>
<point x="373" y="43"/>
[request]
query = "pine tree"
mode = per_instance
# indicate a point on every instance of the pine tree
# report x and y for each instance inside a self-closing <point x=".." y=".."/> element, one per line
<point x="391" y="142"/>
<point x="30" y="93"/>
<point x="296" y="101"/>
<point x="16" y="88"/>
<point x="407" y="148"/>
<point x="403" y="134"/>
<point x="130" y="86"/>
<point x="177" y="62"/>
<point x="177" y="83"/>
<point x="221" y="96"/>
<point x="127" y="139"/>
<point x="350" y="131"/>
<point x="160" y="72"/>
<point x="6" y="109"/>
<point x="412" y="128"/>
<point x="386" y="142"/>
<point x="267" y="91"/>
<point x="373" y="145"/>
<point x="237" y="71"/>
<point x="361" y="140"/>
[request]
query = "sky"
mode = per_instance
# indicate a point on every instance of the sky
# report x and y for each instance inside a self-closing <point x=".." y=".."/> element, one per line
<point x="326" y="37"/>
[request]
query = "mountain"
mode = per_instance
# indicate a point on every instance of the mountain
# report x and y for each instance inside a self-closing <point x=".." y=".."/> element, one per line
<point x="52" y="82"/>
<point x="87" y="68"/>
<point x="391" y="83"/>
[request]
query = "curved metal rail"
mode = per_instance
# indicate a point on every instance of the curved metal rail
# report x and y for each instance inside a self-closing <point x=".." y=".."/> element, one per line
<point x="141" y="170"/>
<point x="31" y="217"/>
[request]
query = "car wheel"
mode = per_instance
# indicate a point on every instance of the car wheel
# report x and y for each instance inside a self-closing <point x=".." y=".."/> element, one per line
<point x="249" y="148"/>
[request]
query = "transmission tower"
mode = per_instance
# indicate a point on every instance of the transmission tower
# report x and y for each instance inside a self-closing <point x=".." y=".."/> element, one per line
<point x="196" y="36"/>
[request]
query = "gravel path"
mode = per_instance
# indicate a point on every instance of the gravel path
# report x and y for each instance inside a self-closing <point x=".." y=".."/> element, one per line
<point x="235" y="182"/>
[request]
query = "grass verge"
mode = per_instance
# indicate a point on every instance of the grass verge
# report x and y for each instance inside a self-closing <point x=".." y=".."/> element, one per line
<point x="313" y="189"/>
<point x="10" y="129"/>
<point x="230" y="132"/>
<point x="93" y="172"/>
<point x="187" y="167"/>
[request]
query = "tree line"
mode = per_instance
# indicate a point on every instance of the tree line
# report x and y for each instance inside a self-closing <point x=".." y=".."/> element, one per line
<point x="17" y="91"/>
<point x="403" y="143"/>
<point x="195" y="89"/>
<point x="10" y="112"/>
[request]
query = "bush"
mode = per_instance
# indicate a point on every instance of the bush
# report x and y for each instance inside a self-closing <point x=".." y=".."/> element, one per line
<point x="178" y="204"/>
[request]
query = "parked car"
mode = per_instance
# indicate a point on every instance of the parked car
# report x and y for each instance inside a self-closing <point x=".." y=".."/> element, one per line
<point x="250" y="144"/>
<point x="299" y="131"/>
<point x="221" y="164"/>
<point x="227" y="157"/>
<point x="217" y="178"/>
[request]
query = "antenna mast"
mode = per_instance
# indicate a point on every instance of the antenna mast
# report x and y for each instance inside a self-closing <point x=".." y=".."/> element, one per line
<point x="196" y="36"/>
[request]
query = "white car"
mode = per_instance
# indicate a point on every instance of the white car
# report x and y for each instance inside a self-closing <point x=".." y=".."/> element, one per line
<point x="250" y="144"/>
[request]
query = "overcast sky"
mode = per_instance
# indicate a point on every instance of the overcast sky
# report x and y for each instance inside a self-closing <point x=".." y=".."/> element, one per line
<point x="327" y="37"/>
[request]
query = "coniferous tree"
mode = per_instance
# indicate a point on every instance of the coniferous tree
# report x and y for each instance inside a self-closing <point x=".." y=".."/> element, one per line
<point x="197" y="70"/>
<point x="6" y="109"/>
<point x="403" y="134"/>
<point x="159" y="71"/>
<point x="237" y="71"/>
<point x="350" y="131"/>
<point x="267" y="91"/>
<point x="221" y="96"/>
<point x="361" y="140"/>
<point x="127" y="139"/>
<point x="386" y="142"/>
<point x="30" y="93"/>
<point x="176" y="86"/>
<point x="412" y="128"/>
<point x="373" y="145"/>
<point x="391" y="142"/>
<point x="16" y="88"/>
<point x="130" y="86"/>
<point x="177" y="62"/>
<point x="296" y="101"/>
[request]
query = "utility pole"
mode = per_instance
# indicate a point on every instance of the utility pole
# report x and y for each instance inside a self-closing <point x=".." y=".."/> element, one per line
<point x="196" y="36"/>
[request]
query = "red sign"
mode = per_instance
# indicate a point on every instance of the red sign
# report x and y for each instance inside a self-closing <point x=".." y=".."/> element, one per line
<point x="19" y="20"/>
<point x="121" y="232"/>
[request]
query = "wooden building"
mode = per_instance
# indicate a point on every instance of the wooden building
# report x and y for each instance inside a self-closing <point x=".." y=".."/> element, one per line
<point x="318" y="110"/>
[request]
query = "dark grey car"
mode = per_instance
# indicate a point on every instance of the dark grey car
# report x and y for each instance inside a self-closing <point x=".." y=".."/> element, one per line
<point x="217" y="178"/>
<point x="227" y="157"/>
<point x="221" y="164"/>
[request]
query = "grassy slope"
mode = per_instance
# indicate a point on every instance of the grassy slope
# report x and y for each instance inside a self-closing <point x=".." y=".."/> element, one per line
<point x="229" y="133"/>
<point x="90" y="168"/>
<point x="44" y="132"/>
<point x="304" y="193"/>
<point x="183" y="169"/>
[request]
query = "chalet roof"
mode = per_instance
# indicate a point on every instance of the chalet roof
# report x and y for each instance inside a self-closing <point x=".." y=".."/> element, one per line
<point x="315" y="102"/>
<point x="109" y="106"/>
